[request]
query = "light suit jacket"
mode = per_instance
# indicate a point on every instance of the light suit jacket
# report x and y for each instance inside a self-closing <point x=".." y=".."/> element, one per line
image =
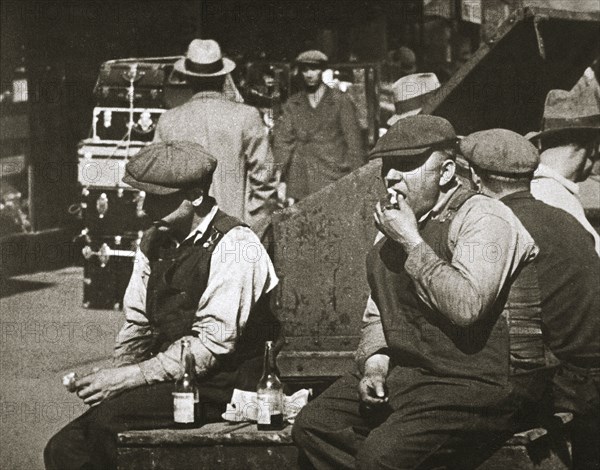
<point x="243" y="183"/>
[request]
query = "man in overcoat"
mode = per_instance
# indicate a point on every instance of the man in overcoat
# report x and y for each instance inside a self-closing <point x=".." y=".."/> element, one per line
<point x="317" y="140"/>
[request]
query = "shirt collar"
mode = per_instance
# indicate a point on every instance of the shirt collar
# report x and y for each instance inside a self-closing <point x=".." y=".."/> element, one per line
<point x="198" y="231"/>
<point x="544" y="171"/>
<point x="439" y="206"/>
<point x="209" y="94"/>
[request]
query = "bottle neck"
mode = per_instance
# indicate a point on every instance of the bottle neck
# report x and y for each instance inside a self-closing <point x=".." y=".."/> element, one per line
<point x="187" y="359"/>
<point x="269" y="364"/>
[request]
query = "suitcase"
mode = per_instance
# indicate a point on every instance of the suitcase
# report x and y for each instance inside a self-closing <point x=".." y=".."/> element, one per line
<point x="322" y="242"/>
<point x="117" y="125"/>
<point x="102" y="164"/>
<point x="110" y="211"/>
<point x="146" y="77"/>
<point x="107" y="267"/>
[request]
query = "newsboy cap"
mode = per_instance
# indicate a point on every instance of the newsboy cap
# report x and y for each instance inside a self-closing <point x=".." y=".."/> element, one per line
<point x="312" y="57"/>
<point x="167" y="167"/>
<point x="414" y="136"/>
<point x="500" y="151"/>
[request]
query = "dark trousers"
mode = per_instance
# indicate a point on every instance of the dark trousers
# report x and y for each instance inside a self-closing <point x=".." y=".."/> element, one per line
<point x="430" y="422"/>
<point x="577" y="390"/>
<point x="90" y="441"/>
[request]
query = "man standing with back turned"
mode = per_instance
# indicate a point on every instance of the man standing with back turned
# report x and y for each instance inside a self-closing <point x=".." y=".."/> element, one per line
<point x="244" y="182"/>
<point x="437" y="371"/>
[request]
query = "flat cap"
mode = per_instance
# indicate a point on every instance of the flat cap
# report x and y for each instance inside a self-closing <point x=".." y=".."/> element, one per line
<point x="312" y="57"/>
<point x="167" y="167"/>
<point x="500" y="151"/>
<point x="414" y="136"/>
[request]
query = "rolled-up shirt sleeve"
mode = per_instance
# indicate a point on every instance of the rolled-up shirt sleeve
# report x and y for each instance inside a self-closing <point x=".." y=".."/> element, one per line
<point x="136" y="339"/>
<point x="372" y="339"/>
<point x="240" y="272"/>
<point x="488" y="244"/>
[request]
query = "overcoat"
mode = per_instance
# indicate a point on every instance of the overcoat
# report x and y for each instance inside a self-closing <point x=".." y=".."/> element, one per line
<point x="317" y="146"/>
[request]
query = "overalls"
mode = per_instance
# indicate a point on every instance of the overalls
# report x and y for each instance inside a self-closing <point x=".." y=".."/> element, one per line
<point x="455" y="394"/>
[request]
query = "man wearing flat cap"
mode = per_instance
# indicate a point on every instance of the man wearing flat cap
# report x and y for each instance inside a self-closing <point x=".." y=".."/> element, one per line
<point x="317" y="140"/>
<point x="569" y="143"/>
<point x="565" y="274"/>
<point x="200" y="275"/>
<point x="436" y="367"/>
<point x="244" y="182"/>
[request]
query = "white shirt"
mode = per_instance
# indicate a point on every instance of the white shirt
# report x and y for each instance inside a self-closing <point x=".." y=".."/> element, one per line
<point x="555" y="190"/>
<point x="240" y="273"/>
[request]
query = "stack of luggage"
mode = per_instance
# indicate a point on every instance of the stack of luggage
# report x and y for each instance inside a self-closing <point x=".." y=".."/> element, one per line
<point x="131" y="95"/>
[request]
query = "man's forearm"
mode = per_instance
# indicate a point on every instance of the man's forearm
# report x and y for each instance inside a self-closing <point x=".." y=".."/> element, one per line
<point x="133" y="376"/>
<point x="443" y="287"/>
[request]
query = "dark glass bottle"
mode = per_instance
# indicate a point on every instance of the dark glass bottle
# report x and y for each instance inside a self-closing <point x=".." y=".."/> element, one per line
<point x="270" y="394"/>
<point x="185" y="395"/>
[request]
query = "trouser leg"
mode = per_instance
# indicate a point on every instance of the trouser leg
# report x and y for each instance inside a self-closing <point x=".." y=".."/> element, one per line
<point x="90" y="440"/>
<point x="440" y="423"/>
<point x="431" y="422"/>
<point x="330" y="429"/>
<point x="586" y="451"/>
<point x="68" y="448"/>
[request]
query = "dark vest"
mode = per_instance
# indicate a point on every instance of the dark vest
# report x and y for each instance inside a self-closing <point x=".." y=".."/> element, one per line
<point x="506" y="340"/>
<point x="178" y="279"/>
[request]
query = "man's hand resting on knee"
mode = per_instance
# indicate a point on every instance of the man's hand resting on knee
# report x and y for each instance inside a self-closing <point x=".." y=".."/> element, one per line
<point x="371" y="388"/>
<point x="106" y="383"/>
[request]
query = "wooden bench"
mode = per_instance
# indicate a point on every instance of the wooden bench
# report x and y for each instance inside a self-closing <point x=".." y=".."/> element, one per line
<point x="240" y="446"/>
<point x="217" y="445"/>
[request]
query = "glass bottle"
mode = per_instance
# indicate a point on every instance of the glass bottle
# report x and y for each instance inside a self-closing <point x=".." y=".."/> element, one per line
<point x="185" y="396"/>
<point x="270" y="394"/>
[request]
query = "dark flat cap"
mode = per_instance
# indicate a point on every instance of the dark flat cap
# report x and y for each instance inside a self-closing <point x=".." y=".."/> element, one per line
<point x="168" y="167"/>
<point x="312" y="57"/>
<point x="414" y="136"/>
<point x="500" y="151"/>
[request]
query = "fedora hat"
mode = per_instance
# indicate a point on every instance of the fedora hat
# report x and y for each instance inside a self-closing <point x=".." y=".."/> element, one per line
<point x="411" y="93"/>
<point x="576" y="112"/>
<point x="204" y="59"/>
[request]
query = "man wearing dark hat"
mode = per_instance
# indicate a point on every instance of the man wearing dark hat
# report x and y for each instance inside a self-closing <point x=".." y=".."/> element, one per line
<point x="244" y="182"/>
<point x="200" y="275"/>
<point x="436" y="367"/>
<point x="569" y="144"/>
<point x="317" y="140"/>
<point x="566" y="270"/>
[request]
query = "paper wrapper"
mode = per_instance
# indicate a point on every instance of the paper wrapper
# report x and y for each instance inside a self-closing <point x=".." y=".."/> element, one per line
<point x="244" y="406"/>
